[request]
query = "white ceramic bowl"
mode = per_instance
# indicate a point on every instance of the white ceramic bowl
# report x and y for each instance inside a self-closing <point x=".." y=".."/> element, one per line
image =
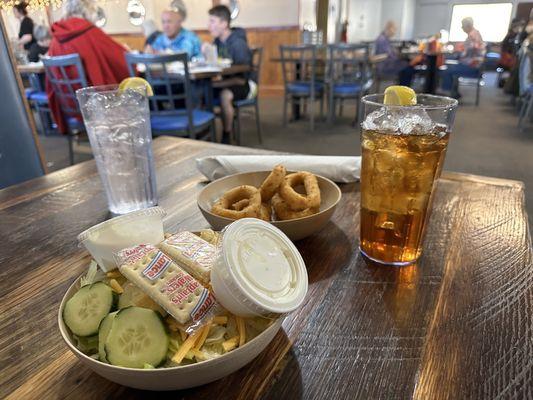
<point x="171" y="378"/>
<point x="295" y="229"/>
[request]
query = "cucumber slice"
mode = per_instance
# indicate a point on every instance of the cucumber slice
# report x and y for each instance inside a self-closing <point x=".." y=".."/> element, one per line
<point x="137" y="337"/>
<point x="103" y="332"/>
<point x="133" y="296"/>
<point x="87" y="308"/>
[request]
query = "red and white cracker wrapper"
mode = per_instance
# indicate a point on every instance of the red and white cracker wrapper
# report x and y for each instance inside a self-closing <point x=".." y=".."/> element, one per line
<point x="192" y="253"/>
<point x="167" y="284"/>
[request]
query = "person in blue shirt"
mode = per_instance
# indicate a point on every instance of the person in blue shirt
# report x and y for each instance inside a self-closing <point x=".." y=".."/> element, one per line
<point x="175" y="38"/>
<point x="392" y="65"/>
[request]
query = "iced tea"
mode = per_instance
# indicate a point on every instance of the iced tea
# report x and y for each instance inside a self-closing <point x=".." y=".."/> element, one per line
<point x="403" y="151"/>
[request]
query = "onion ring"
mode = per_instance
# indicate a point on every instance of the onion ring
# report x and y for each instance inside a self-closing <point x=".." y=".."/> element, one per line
<point x="265" y="212"/>
<point x="295" y="200"/>
<point x="238" y="206"/>
<point x="223" y="206"/>
<point x="271" y="184"/>
<point x="284" y="212"/>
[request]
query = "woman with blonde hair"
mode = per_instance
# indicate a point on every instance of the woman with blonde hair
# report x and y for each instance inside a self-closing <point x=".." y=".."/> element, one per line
<point x="103" y="59"/>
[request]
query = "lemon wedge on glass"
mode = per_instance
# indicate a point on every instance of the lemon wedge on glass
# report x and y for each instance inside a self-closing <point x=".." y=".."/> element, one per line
<point x="399" y="96"/>
<point x="136" y="83"/>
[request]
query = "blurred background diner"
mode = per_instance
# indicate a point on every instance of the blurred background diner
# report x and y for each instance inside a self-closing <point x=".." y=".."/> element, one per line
<point x="284" y="75"/>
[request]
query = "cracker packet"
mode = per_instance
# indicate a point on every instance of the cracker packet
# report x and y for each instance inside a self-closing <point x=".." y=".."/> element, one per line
<point x="182" y="296"/>
<point x="191" y="252"/>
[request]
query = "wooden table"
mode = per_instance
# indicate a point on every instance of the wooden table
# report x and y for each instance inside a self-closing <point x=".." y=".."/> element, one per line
<point x="32" y="68"/>
<point x="459" y="325"/>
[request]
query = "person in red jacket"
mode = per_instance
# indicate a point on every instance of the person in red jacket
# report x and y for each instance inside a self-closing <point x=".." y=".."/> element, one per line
<point x="103" y="59"/>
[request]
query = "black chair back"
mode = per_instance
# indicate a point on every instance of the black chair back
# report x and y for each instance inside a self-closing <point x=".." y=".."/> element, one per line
<point x="348" y="63"/>
<point x="170" y="80"/>
<point x="299" y="64"/>
<point x="66" y="75"/>
<point x="257" y="59"/>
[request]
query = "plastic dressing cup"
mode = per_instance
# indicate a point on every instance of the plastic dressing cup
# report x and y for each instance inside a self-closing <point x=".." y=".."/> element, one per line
<point x="138" y="227"/>
<point x="258" y="270"/>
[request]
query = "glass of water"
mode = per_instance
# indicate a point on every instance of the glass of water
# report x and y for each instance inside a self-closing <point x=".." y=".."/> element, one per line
<point x="118" y="126"/>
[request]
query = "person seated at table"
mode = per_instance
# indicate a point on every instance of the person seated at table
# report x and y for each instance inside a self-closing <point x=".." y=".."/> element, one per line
<point x="25" y="35"/>
<point x="150" y="33"/>
<point x="40" y="47"/>
<point x="470" y="59"/>
<point x="175" y="38"/>
<point x="392" y="65"/>
<point x="231" y="43"/>
<point x="103" y="59"/>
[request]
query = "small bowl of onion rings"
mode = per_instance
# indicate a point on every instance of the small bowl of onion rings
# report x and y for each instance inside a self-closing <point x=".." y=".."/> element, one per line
<point x="295" y="228"/>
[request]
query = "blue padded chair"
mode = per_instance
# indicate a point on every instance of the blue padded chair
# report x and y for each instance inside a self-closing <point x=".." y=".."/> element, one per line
<point x="38" y="100"/>
<point x="257" y="56"/>
<point x="299" y="67"/>
<point x="525" y="87"/>
<point x="66" y="75"/>
<point x="172" y="107"/>
<point x="348" y="75"/>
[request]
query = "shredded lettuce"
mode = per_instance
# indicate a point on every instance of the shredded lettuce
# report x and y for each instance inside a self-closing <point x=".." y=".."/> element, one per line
<point x="87" y="345"/>
<point x="92" y="275"/>
<point x="216" y="335"/>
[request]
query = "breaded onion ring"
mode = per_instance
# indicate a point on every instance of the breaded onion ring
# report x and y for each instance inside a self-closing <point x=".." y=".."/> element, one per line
<point x="223" y="206"/>
<point x="238" y="206"/>
<point x="284" y="212"/>
<point x="271" y="184"/>
<point x="295" y="200"/>
<point x="265" y="212"/>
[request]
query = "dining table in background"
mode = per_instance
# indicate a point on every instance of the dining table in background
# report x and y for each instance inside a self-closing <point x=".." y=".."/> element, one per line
<point x="31" y="68"/>
<point x="458" y="325"/>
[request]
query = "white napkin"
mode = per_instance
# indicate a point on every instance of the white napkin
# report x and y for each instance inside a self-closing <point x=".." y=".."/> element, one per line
<point x="337" y="168"/>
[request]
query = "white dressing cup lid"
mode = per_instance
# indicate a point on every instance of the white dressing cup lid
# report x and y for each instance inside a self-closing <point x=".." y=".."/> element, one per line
<point x="262" y="266"/>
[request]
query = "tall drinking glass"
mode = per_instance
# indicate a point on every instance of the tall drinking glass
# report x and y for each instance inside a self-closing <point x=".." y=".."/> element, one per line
<point x="403" y="149"/>
<point x="118" y="126"/>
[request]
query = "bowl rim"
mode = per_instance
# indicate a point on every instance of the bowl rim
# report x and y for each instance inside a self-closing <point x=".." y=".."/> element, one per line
<point x="275" y="223"/>
<point x="63" y="329"/>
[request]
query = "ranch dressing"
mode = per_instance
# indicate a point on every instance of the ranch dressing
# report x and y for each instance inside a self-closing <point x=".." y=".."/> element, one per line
<point x="259" y="268"/>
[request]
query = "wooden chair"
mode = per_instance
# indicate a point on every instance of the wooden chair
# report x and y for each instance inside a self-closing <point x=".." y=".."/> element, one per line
<point x="66" y="75"/>
<point x="299" y="67"/>
<point x="172" y="107"/>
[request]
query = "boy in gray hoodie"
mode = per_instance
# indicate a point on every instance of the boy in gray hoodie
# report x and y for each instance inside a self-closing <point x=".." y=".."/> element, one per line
<point x="231" y="43"/>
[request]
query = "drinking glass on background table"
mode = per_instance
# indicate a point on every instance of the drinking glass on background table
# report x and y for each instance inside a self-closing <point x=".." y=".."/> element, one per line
<point x="118" y="126"/>
<point x="403" y="149"/>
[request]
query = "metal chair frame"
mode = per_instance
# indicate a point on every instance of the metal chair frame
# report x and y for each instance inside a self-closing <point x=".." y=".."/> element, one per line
<point x="58" y="71"/>
<point x="346" y="66"/>
<point x="166" y="97"/>
<point x="299" y="65"/>
<point x="257" y="58"/>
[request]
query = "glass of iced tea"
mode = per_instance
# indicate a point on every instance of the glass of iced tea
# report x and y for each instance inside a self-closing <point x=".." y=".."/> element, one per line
<point x="403" y="149"/>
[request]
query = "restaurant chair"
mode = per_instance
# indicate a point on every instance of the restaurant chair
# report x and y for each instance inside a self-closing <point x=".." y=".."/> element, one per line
<point x="64" y="88"/>
<point x="38" y="100"/>
<point x="347" y="76"/>
<point x="525" y="88"/>
<point x="253" y="101"/>
<point x="299" y="67"/>
<point x="172" y="106"/>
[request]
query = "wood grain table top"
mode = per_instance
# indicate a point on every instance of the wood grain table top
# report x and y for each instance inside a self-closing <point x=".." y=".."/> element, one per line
<point x="459" y="325"/>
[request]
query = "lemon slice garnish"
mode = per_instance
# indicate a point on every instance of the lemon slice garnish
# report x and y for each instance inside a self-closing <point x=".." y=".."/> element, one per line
<point x="399" y="96"/>
<point x="135" y="83"/>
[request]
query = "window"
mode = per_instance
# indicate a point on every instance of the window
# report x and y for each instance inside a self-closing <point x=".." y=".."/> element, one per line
<point x="491" y="20"/>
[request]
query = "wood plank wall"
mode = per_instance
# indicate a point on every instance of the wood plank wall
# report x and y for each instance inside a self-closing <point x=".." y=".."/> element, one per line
<point x="270" y="38"/>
